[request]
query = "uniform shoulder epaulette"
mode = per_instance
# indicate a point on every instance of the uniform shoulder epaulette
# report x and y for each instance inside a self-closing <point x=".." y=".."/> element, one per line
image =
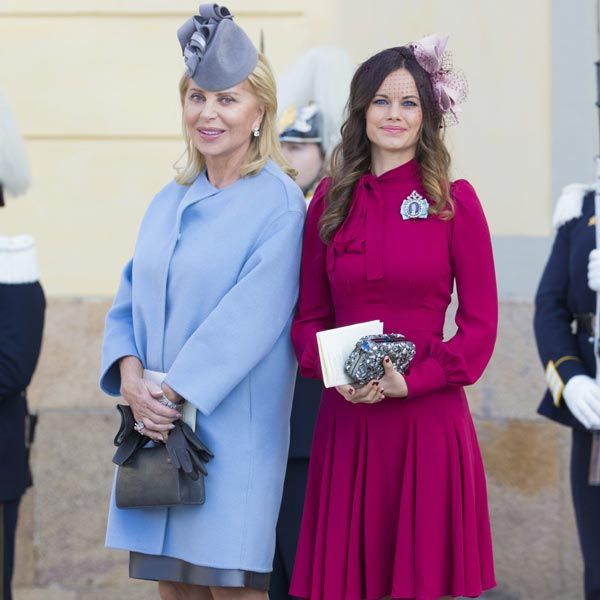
<point x="570" y="203"/>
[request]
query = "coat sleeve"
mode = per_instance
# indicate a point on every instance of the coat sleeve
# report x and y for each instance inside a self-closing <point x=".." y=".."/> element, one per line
<point x="247" y="322"/>
<point x="461" y="360"/>
<point x="315" y="309"/>
<point x="556" y="343"/>
<point x="119" y="340"/>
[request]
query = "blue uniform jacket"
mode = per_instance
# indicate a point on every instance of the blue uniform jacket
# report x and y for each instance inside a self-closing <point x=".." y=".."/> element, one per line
<point x="22" y="309"/>
<point x="562" y="293"/>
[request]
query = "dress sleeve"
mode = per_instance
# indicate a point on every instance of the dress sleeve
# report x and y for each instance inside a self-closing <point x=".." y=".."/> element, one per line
<point x="461" y="360"/>
<point x="243" y="328"/>
<point x="315" y="308"/>
<point x="557" y="346"/>
<point x="119" y="339"/>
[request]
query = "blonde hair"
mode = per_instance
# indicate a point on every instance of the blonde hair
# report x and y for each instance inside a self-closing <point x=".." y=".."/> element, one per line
<point x="261" y="149"/>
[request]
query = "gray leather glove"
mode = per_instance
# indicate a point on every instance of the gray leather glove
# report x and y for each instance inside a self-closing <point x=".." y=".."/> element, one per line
<point x="127" y="440"/>
<point x="186" y="451"/>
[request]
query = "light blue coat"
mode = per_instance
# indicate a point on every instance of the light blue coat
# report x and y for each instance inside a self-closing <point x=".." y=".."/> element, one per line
<point x="208" y="298"/>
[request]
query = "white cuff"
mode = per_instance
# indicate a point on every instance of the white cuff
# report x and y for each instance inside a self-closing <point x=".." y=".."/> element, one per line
<point x="18" y="260"/>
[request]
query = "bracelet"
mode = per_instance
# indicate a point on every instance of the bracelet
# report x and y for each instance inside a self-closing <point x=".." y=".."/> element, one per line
<point x="166" y="402"/>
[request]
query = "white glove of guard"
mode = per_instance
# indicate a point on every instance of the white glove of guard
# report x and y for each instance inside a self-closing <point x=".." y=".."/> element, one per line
<point x="594" y="270"/>
<point x="582" y="395"/>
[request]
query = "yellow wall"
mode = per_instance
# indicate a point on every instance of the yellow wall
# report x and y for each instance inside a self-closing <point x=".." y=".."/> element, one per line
<point x="93" y="84"/>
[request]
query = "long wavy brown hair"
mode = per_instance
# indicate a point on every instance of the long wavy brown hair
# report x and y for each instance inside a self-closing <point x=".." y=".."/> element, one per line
<point x="352" y="157"/>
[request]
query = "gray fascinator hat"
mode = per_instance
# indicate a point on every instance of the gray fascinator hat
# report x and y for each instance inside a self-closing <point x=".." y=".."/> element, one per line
<point x="218" y="53"/>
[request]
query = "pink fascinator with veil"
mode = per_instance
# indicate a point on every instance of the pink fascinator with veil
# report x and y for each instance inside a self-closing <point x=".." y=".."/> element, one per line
<point x="449" y="85"/>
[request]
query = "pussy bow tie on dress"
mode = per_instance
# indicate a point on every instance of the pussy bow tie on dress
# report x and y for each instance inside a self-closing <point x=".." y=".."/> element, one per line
<point x="363" y="225"/>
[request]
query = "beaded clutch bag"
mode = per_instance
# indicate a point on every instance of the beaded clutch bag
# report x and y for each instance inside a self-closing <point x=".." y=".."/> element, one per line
<point x="365" y="361"/>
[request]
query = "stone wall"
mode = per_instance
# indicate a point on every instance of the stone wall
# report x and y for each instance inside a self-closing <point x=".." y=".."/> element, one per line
<point x="60" y="553"/>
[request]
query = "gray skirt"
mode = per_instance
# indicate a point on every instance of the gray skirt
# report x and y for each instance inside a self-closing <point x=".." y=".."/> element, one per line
<point x="165" y="568"/>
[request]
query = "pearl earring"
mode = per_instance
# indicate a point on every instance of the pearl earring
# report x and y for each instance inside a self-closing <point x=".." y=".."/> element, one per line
<point x="256" y="132"/>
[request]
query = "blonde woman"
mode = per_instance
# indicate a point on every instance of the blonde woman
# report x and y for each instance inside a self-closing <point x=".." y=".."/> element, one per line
<point x="206" y="305"/>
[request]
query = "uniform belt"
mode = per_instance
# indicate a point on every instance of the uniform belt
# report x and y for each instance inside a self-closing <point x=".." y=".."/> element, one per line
<point x="585" y="323"/>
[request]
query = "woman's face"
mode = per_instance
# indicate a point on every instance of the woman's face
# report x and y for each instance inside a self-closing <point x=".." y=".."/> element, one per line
<point x="306" y="158"/>
<point x="220" y="124"/>
<point x="394" y="117"/>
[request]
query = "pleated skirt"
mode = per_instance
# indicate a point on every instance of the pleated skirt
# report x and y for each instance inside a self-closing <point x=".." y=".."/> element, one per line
<point x="396" y="502"/>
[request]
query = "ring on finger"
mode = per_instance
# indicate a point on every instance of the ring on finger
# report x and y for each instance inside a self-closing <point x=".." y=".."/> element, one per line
<point x="139" y="426"/>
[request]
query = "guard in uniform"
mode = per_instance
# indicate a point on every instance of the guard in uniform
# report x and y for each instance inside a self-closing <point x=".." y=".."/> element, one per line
<point x="22" y="307"/>
<point x="305" y="153"/>
<point x="564" y="328"/>
<point x="308" y="133"/>
<point x="302" y="144"/>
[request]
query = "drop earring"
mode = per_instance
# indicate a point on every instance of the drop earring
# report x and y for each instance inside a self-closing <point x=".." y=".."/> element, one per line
<point x="256" y="132"/>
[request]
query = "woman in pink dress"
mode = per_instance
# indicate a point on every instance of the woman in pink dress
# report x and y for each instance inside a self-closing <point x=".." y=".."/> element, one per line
<point x="396" y="504"/>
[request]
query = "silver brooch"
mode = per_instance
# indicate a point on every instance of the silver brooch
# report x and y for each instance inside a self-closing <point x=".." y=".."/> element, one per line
<point x="414" y="207"/>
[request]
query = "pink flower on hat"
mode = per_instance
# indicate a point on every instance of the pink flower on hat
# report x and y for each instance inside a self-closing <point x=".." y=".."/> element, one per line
<point x="449" y="86"/>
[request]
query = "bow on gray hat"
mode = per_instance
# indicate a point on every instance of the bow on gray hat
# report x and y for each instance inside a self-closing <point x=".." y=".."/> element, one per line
<point x="218" y="54"/>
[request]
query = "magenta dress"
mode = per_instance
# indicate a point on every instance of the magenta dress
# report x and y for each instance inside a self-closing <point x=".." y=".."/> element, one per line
<point x="396" y="503"/>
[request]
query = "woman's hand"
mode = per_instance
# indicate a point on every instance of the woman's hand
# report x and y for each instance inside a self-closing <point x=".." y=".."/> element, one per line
<point x="392" y="383"/>
<point x="369" y="393"/>
<point x="142" y="396"/>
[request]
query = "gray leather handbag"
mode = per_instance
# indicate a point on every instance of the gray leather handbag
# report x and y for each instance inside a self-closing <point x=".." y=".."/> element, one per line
<point x="149" y="479"/>
<point x="158" y="475"/>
